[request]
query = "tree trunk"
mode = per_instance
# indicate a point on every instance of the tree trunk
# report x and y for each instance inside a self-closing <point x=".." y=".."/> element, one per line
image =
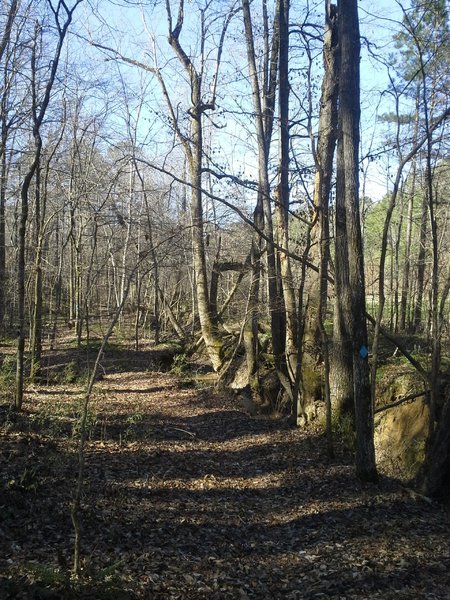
<point x="5" y="130"/>
<point x="3" y="176"/>
<point x="194" y="154"/>
<point x="323" y="155"/>
<point x="39" y="109"/>
<point x="36" y="321"/>
<point x="406" y="273"/>
<point x="352" y="305"/>
<point x="436" y="469"/>
<point x="213" y="343"/>
<point x="250" y="331"/>
<point x="283" y="197"/>
<point x="263" y="101"/>
<point x="341" y="359"/>
<point x="421" y="264"/>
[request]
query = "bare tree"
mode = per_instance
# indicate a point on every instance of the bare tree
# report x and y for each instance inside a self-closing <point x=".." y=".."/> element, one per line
<point x="264" y="96"/>
<point x="11" y="107"/>
<point x="62" y="15"/>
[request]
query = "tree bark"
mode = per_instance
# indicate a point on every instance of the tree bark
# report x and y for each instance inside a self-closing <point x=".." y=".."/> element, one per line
<point x="3" y="177"/>
<point x="194" y="153"/>
<point x="283" y="196"/>
<point x="421" y="264"/>
<point x="352" y="303"/>
<point x="263" y="95"/>
<point x="36" y="322"/>
<point x="406" y="273"/>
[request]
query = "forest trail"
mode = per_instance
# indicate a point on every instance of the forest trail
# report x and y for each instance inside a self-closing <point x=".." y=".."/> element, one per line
<point x="186" y="497"/>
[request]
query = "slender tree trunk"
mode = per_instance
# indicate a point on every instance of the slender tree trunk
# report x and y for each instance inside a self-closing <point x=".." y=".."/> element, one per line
<point x="88" y="285"/>
<point x="171" y="316"/>
<point x="58" y="286"/>
<point x="418" y="307"/>
<point x="434" y="291"/>
<point x="214" y="345"/>
<point x="214" y="283"/>
<point x="128" y="225"/>
<point x="72" y="284"/>
<point x="405" y="293"/>
<point x="298" y="392"/>
<point x="250" y="331"/>
<point x="24" y="206"/>
<point x="283" y="199"/>
<point x="79" y="284"/>
<point x="4" y="133"/>
<point x="36" y="321"/>
<point x="395" y="269"/>
<point x="40" y="211"/>
<point x="3" y="177"/>
<point x="405" y="297"/>
<point x="194" y="155"/>
<point x="21" y="330"/>
<point x="263" y="101"/>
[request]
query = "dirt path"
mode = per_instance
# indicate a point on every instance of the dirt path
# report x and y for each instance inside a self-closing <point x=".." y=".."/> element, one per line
<point x="186" y="497"/>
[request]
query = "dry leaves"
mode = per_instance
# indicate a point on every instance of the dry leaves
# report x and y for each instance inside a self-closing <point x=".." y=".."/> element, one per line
<point x="185" y="497"/>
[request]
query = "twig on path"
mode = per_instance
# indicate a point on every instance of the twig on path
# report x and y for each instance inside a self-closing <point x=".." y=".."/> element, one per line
<point x="183" y="431"/>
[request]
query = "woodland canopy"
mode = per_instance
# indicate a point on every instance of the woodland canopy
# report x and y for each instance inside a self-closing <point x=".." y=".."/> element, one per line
<point x="257" y="189"/>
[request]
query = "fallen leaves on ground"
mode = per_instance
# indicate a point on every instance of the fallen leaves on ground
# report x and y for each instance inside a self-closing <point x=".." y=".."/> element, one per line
<point x="186" y="497"/>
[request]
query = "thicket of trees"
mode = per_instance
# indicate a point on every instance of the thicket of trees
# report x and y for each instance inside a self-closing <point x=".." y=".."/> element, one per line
<point x="207" y="174"/>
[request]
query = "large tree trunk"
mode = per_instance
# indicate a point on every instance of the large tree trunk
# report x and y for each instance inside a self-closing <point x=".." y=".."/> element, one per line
<point x="341" y="359"/>
<point x="326" y="145"/>
<point x="436" y="469"/>
<point x="352" y="303"/>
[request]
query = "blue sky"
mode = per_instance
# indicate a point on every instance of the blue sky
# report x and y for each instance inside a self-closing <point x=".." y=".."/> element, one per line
<point x="123" y="27"/>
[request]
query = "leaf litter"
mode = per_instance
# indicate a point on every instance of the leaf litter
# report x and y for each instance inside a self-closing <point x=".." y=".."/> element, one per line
<point x="187" y="497"/>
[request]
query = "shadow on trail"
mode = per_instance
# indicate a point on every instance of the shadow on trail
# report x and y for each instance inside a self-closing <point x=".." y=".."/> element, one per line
<point x="236" y="526"/>
<point x="114" y="359"/>
<point x="218" y="425"/>
<point x="186" y="488"/>
<point x="186" y="461"/>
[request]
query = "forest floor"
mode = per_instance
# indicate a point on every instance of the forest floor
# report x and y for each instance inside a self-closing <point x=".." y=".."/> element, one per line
<point x="187" y="497"/>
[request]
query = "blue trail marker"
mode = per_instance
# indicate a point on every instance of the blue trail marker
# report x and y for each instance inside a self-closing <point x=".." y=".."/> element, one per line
<point x="363" y="352"/>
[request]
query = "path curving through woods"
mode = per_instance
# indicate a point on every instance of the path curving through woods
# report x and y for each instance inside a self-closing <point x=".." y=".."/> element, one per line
<point x="187" y="497"/>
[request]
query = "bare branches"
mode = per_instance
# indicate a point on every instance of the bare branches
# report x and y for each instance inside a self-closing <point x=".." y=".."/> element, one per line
<point x="8" y="27"/>
<point x="230" y="15"/>
<point x="401" y="401"/>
